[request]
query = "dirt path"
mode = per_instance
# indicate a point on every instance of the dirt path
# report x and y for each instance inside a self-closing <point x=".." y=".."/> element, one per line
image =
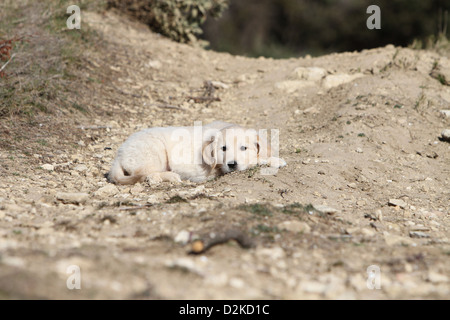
<point x="358" y="131"/>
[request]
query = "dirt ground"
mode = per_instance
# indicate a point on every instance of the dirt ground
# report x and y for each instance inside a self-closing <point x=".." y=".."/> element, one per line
<point x="359" y="131"/>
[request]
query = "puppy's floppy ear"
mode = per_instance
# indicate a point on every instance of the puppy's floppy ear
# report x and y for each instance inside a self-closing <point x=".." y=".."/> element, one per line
<point x="209" y="152"/>
<point x="263" y="146"/>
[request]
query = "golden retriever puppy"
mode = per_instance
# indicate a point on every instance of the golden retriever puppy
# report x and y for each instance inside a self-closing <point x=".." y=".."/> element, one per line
<point x="193" y="153"/>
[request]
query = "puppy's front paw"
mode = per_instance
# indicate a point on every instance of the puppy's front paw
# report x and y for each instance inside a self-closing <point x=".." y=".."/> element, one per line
<point x="154" y="178"/>
<point x="276" y="162"/>
<point x="171" y="177"/>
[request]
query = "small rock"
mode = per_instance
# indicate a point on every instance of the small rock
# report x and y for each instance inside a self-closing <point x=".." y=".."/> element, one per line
<point x="136" y="189"/>
<point x="290" y="86"/>
<point x="295" y="226"/>
<point x="362" y="231"/>
<point x="310" y="73"/>
<point x="311" y="110"/>
<point x="15" y="262"/>
<point x="154" y="64"/>
<point x="418" y="234"/>
<point x="436" y="277"/>
<point x="312" y="287"/>
<point x="108" y="190"/>
<point x="186" y="264"/>
<point x="74" y="198"/>
<point x="219" y="85"/>
<point x="379" y="215"/>
<point x="326" y="209"/>
<point x="337" y="79"/>
<point x="367" y="232"/>
<point x="237" y="283"/>
<point x="273" y="253"/>
<point x="397" y="203"/>
<point x="182" y="237"/>
<point x="359" y="150"/>
<point x="445" y="135"/>
<point x="352" y="185"/>
<point x="394" y="240"/>
<point x="445" y="113"/>
<point x="81" y="168"/>
<point x="419" y="228"/>
<point x="48" y="167"/>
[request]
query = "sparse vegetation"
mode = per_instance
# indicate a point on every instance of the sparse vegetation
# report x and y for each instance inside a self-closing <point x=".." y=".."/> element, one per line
<point x="46" y="54"/>
<point x="258" y="209"/>
<point x="179" y="20"/>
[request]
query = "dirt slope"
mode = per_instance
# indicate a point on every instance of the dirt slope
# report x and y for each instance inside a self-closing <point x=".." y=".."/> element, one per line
<point x="357" y="131"/>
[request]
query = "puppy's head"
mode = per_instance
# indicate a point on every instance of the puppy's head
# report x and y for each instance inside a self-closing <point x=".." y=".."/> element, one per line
<point x="232" y="149"/>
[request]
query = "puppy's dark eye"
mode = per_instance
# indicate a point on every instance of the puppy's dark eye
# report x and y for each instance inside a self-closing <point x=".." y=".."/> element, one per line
<point x="243" y="148"/>
<point x="224" y="148"/>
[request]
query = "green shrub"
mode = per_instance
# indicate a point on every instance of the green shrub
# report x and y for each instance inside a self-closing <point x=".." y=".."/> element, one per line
<point x="179" y="20"/>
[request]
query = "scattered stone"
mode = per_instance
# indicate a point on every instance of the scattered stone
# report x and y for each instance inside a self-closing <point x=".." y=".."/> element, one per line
<point x="294" y="226"/>
<point x="290" y="86"/>
<point x="15" y="262"/>
<point x="186" y="264"/>
<point x="435" y="277"/>
<point x="359" y="150"/>
<point x="445" y="113"/>
<point x="419" y="228"/>
<point x="136" y="189"/>
<point x="81" y="168"/>
<point x="311" y="110"/>
<point x="108" y="190"/>
<point x="418" y="234"/>
<point x="379" y="215"/>
<point x="337" y="79"/>
<point x="397" y="203"/>
<point x="394" y="240"/>
<point x="352" y="185"/>
<point x="445" y="135"/>
<point x="48" y="167"/>
<point x="313" y="287"/>
<point x="219" y="85"/>
<point x="154" y="64"/>
<point x="186" y="194"/>
<point x="72" y="197"/>
<point x="367" y="232"/>
<point x="273" y="253"/>
<point x="310" y="73"/>
<point x="236" y="283"/>
<point x="326" y="209"/>
<point x="182" y="237"/>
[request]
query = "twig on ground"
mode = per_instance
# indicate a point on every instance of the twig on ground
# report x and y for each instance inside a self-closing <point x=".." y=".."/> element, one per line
<point x="135" y="207"/>
<point x="168" y="106"/>
<point x="207" y="241"/>
<point x="4" y="66"/>
<point x="203" y="99"/>
<point x="93" y="127"/>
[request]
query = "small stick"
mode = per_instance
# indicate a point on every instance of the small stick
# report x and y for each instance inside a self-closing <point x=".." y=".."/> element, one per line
<point x="93" y="127"/>
<point x="204" y="99"/>
<point x="135" y="207"/>
<point x="4" y="66"/>
<point x="168" y="106"/>
<point x="211" y="239"/>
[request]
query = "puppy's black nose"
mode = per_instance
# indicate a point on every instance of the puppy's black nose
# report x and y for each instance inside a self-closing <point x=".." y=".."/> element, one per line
<point x="232" y="164"/>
